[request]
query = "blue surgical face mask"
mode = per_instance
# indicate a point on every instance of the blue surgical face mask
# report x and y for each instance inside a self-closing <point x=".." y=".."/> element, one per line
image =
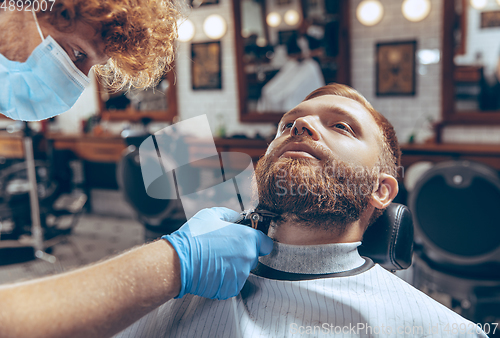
<point x="46" y="85"/>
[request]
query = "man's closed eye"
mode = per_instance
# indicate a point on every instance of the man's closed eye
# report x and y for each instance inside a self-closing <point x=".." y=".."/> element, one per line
<point x="343" y="126"/>
<point x="287" y="126"/>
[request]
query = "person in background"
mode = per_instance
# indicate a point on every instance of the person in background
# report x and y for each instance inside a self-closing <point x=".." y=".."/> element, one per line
<point x="301" y="73"/>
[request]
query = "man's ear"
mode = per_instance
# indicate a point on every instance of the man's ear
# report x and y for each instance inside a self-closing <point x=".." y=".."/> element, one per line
<point x="386" y="191"/>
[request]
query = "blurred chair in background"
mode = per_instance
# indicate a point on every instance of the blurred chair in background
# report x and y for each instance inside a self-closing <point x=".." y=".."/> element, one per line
<point x="57" y="206"/>
<point x="159" y="216"/>
<point x="456" y="206"/>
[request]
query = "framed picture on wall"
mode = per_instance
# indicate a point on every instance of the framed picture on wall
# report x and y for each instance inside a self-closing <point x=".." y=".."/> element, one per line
<point x="285" y="36"/>
<point x="490" y="19"/>
<point x="206" y="65"/>
<point x="460" y="26"/>
<point x="395" y="68"/>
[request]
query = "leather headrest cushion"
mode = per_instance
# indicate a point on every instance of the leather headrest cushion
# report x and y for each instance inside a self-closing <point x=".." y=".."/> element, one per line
<point x="389" y="241"/>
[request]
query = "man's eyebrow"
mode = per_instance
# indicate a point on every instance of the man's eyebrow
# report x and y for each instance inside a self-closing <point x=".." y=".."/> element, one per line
<point x="292" y="112"/>
<point x="356" y="126"/>
<point x="333" y="110"/>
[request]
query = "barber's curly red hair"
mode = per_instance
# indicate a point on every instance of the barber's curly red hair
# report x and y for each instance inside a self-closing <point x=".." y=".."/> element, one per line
<point x="138" y="34"/>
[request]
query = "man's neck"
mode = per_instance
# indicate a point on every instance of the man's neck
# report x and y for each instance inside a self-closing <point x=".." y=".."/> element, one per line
<point x="291" y="229"/>
<point x="299" y="233"/>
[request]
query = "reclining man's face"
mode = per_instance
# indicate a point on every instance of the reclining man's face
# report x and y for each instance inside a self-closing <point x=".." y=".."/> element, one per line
<point x="322" y="166"/>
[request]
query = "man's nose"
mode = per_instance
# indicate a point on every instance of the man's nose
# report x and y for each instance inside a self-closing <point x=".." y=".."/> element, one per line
<point x="303" y="125"/>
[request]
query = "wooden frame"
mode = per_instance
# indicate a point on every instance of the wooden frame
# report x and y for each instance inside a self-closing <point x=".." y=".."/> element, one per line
<point x="461" y="44"/>
<point x="135" y="116"/>
<point x="343" y="73"/>
<point x="448" y="113"/>
<point x="490" y="19"/>
<point x="206" y="65"/>
<point x="403" y="81"/>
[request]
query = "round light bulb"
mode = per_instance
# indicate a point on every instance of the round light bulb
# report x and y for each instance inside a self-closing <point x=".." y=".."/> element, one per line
<point x="478" y="4"/>
<point x="186" y="30"/>
<point x="273" y="19"/>
<point x="215" y="26"/>
<point x="416" y="10"/>
<point x="292" y="17"/>
<point x="498" y="2"/>
<point x="370" y="12"/>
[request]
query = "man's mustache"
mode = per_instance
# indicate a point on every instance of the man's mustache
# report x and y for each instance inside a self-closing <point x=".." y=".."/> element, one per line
<point x="324" y="151"/>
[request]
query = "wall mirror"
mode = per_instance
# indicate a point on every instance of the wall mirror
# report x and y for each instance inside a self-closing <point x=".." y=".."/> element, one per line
<point x="157" y="104"/>
<point x="471" y="63"/>
<point x="285" y="49"/>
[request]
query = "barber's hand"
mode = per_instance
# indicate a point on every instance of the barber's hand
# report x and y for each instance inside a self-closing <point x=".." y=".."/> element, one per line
<point x="216" y="264"/>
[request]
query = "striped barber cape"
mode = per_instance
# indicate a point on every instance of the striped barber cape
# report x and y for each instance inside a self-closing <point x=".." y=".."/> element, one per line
<point x="310" y="291"/>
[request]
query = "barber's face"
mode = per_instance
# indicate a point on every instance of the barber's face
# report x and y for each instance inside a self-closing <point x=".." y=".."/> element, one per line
<point x="83" y="45"/>
<point x="331" y="125"/>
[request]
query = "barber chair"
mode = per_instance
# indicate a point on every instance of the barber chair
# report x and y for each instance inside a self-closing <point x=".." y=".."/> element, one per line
<point x="457" y="236"/>
<point x="389" y="241"/>
<point x="34" y="207"/>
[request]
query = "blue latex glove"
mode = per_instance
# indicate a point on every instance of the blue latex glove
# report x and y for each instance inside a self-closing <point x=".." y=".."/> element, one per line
<point x="216" y="264"/>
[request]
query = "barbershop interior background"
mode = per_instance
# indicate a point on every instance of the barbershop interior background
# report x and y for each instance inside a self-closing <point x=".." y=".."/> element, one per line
<point x="432" y="67"/>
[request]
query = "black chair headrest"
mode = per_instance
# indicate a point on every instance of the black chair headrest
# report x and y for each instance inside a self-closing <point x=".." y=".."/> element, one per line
<point x="455" y="208"/>
<point x="389" y="241"/>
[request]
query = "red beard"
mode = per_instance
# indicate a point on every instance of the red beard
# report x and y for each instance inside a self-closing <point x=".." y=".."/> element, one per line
<point x="325" y="194"/>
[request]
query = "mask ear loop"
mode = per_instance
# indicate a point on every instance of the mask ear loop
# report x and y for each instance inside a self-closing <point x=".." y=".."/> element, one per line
<point x="37" y="25"/>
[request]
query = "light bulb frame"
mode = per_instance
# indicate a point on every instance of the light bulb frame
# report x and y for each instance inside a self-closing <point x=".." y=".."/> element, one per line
<point x="361" y="10"/>
<point x="472" y="2"/>
<point x="269" y="19"/>
<point x="190" y="28"/>
<point x="408" y="15"/>
<point x="296" y="16"/>
<point x="208" y="25"/>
